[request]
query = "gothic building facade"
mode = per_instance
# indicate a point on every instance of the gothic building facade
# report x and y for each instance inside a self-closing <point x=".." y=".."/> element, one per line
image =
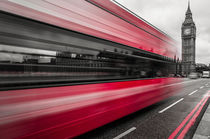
<point x="188" y="43"/>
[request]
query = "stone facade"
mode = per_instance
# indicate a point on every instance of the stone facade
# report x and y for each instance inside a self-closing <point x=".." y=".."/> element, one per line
<point x="188" y="43"/>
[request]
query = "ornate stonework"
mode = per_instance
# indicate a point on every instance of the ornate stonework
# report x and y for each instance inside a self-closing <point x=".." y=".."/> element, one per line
<point x="188" y="43"/>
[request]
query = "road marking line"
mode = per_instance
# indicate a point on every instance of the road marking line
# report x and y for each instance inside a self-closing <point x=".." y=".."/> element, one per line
<point x="192" y="92"/>
<point x="192" y="120"/>
<point x="125" y="133"/>
<point x="171" y="105"/>
<point x="189" y="120"/>
<point x="201" y="87"/>
<point x="179" y="83"/>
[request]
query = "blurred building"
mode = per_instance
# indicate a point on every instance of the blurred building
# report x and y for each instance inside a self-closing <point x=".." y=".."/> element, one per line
<point x="188" y="43"/>
<point x="201" y="67"/>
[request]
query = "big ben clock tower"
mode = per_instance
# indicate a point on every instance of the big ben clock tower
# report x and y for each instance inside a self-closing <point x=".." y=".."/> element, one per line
<point x="188" y="43"/>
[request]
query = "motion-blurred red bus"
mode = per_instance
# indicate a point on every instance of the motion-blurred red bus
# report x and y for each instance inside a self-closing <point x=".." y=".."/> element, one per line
<point x="70" y="66"/>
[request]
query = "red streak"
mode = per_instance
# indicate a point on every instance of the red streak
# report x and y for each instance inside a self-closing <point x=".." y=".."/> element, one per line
<point x="191" y="122"/>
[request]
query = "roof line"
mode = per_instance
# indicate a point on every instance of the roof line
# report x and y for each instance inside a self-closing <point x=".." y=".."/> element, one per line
<point x="134" y="14"/>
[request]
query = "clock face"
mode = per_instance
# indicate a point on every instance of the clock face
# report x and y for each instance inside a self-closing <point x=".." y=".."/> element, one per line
<point x="187" y="31"/>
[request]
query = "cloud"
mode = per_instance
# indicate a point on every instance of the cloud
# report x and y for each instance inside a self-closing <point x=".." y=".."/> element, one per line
<point x="168" y="16"/>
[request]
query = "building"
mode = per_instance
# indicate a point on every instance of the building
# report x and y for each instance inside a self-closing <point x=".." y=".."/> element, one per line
<point x="200" y="67"/>
<point x="188" y="43"/>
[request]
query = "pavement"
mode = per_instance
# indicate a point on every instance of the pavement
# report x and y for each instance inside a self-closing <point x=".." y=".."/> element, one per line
<point x="176" y="117"/>
<point x="203" y="129"/>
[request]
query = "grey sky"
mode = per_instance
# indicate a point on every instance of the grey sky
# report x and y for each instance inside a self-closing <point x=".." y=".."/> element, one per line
<point x="168" y="16"/>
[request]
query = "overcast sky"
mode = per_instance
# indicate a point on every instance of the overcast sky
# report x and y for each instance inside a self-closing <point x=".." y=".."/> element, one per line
<point x="168" y="16"/>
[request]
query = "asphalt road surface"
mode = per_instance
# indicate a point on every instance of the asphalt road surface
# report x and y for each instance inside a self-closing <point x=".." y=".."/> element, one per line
<point x="168" y="118"/>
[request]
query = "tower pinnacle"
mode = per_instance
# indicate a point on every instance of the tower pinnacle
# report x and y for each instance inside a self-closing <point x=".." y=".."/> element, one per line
<point x="188" y="18"/>
<point x="188" y="9"/>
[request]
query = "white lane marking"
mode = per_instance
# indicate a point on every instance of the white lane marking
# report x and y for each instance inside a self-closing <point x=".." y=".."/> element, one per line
<point x="125" y="133"/>
<point x="179" y="83"/>
<point x="192" y="92"/>
<point x="201" y="87"/>
<point x="171" y="105"/>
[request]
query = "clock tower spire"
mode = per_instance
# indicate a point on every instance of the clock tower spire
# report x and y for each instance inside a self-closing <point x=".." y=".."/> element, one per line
<point x="188" y="42"/>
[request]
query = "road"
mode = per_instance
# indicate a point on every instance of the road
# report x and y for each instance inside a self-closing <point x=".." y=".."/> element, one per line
<point x="168" y="118"/>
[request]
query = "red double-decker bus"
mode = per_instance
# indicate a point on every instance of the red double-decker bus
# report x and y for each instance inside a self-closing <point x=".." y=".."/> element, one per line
<point x="70" y="66"/>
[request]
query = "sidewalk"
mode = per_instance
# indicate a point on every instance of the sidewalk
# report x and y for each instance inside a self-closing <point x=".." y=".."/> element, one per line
<point x="203" y="129"/>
